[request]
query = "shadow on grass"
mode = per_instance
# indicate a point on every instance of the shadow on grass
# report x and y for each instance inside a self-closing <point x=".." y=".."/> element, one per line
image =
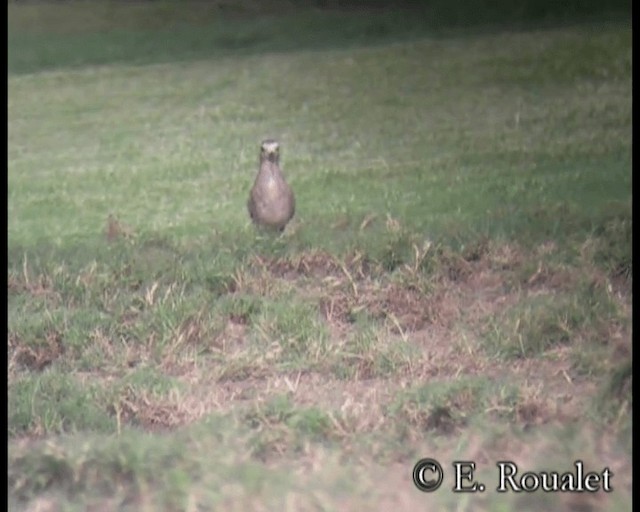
<point x="48" y="36"/>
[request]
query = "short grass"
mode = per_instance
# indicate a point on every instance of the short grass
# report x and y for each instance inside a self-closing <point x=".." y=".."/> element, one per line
<point x="456" y="282"/>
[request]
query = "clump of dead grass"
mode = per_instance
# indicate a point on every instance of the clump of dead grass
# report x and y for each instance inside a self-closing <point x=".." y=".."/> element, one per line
<point x="154" y="411"/>
<point x="34" y="356"/>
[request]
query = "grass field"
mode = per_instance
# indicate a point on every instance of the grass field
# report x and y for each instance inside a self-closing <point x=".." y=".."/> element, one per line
<point x="456" y="282"/>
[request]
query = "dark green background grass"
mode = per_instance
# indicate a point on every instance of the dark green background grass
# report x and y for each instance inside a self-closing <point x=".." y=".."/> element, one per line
<point x="108" y="32"/>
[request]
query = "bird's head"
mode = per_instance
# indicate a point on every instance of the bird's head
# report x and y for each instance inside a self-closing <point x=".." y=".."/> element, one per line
<point x="270" y="150"/>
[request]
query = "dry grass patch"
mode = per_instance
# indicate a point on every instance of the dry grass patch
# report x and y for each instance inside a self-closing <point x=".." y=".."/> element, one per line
<point x="319" y="265"/>
<point x="34" y="356"/>
<point x="156" y="412"/>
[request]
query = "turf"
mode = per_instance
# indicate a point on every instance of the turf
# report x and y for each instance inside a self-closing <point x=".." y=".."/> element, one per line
<point x="456" y="281"/>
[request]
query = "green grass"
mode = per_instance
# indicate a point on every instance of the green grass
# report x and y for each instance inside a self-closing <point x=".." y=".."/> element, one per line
<point x="456" y="281"/>
<point x="535" y="324"/>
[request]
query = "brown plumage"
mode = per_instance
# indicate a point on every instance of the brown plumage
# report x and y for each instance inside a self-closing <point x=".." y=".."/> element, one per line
<point x="271" y="202"/>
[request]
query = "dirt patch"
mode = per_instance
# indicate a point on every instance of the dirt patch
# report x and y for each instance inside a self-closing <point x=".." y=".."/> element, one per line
<point x="35" y="356"/>
<point x="319" y="264"/>
<point x="405" y="307"/>
<point x="411" y="309"/>
<point x="547" y="278"/>
<point x="337" y="308"/>
<point x="156" y="413"/>
<point x="40" y="286"/>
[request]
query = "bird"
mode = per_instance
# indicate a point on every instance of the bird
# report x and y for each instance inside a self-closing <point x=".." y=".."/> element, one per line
<point x="271" y="201"/>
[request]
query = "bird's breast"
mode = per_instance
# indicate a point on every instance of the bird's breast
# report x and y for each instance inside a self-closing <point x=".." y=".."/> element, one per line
<point x="273" y="188"/>
<point x="272" y="185"/>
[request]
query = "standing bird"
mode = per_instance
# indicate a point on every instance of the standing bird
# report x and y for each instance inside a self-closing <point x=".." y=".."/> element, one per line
<point x="271" y="202"/>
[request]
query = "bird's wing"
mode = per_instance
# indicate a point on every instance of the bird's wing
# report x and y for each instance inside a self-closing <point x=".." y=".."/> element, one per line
<point x="251" y="206"/>
<point x="293" y="203"/>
